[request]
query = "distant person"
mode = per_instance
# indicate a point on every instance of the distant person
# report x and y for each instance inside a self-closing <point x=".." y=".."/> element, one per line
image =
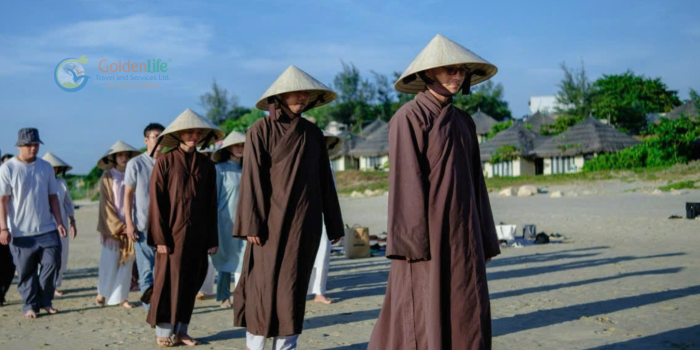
<point x="7" y="266"/>
<point x="182" y="225"/>
<point x="441" y="232"/>
<point x="67" y="213"/>
<point x="286" y="193"/>
<point x="117" y="255"/>
<point x="5" y="158"/>
<point x="228" y="260"/>
<point x="31" y="223"/>
<point x="137" y="178"/>
<point x="319" y="274"/>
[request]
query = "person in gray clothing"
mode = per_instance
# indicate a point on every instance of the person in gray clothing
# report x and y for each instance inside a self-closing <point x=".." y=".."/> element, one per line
<point x="136" y="180"/>
<point x="28" y="207"/>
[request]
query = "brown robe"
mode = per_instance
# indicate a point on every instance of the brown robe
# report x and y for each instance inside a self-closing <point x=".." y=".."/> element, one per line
<point x="439" y="212"/>
<point x="285" y="187"/>
<point x="182" y="215"/>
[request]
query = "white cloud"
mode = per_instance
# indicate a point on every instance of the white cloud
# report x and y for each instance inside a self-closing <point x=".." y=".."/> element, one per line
<point x="182" y="40"/>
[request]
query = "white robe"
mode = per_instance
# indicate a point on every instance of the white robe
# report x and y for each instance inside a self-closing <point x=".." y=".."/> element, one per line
<point x="319" y="275"/>
<point x="66" y="204"/>
<point x="114" y="279"/>
<point x="208" y="285"/>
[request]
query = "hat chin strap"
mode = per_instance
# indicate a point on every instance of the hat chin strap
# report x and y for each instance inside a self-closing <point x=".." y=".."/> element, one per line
<point x="206" y="140"/>
<point x="272" y="106"/>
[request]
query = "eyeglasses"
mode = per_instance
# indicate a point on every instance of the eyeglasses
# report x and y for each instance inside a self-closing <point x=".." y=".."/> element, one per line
<point x="462" y="70"/>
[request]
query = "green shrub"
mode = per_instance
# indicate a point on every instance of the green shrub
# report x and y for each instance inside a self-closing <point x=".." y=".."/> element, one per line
<point x="671" y="142"/>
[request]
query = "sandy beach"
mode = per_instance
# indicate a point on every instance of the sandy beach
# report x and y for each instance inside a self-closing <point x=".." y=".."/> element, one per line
<point x="623" y="276"/>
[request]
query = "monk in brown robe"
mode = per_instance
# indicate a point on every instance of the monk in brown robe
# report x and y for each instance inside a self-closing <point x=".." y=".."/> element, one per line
<point x="441" y="232"/>
<point x="285" y="189"/>
<point x="182" y="225"/>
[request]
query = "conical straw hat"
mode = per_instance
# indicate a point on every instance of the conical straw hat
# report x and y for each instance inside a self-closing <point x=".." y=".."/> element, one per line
<point x="295" y="79"/>
<point x="333" y="143"/>
<point x="442" y="52"/>
<point x="56" y="162"/>
<point x="233" y="138"/>
<point x="105" y="163"/>
<point x="190" y="120"/>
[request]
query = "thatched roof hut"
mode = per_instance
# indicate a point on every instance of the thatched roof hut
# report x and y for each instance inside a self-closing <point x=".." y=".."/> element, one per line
<point x="538" y="120"/>
<point x="350" y="141"/>
<point x="376" y="144"/>
<point x="518" y="135"/>
<point x="370" y="128"/>
<point x="587" y="137"/>
<point x="484" y="122"/>
<point x="689" y="109"/>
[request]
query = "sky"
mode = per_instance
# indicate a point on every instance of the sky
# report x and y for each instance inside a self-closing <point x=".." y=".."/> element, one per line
<point x="245" y="45"/>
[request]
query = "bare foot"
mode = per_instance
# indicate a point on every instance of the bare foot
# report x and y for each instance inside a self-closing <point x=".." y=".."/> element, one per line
<point x="202" y="296"/>
<point x="226" y="304"/>
<point x="186" y="339"/>
<point x="51" y="310"/>
<point x="127" y="305"/>
<point x="100" y="300"/>
<point x="58" y="293"/>
<point x="164" y="342"/>
<point x="320" y="298"/>
<point x="30" y="314"/>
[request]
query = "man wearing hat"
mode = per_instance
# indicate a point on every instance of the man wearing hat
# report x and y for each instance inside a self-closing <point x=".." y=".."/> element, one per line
<point x="182" y="224"/>
<point x="286" y="192"/>
<point x="441" y="232"/>
<point x="31" y="222"/>
<point x="136" y="180"/>
<point x="60" y="168"/>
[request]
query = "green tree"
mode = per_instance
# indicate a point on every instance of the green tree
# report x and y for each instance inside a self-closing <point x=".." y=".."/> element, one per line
<point x="218" y="106"/>
<point x="488" y="97"/>
<point x="323" y="115"/>
<point x="355" y="96"/>
<point x="575" y="95"/>
<point x="384" y="108"/>
<point x="625" y="99"/>
<point x="496" y="128"/>
<point x="242" y="123"/>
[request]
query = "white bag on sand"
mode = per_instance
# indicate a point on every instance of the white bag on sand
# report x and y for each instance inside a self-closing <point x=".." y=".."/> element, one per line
<point x="505" y="232"/>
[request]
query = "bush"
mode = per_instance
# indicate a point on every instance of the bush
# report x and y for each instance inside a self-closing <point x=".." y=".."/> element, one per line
<point x="671" y="142"/>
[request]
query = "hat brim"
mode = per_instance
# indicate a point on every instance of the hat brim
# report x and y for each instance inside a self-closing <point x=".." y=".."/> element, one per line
<point x="327" y="97"/>
<point x="170" y="140"/>
<point x="105" y="164"/>
<point x="413" y="84"/>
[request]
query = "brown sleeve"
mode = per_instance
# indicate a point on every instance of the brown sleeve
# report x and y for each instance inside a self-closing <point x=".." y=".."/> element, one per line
<point x="254" y="188"/>
<point x="108" y="212"/>
<point x="159" y="206"/>
<point x="483" y="204"/>
<point x="213" y="239"/>
<point x="408" y="187"/>
<point x="332" y="216"/>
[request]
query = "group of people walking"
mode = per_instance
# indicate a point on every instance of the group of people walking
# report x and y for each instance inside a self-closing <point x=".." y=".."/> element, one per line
<point x="263" y="210"/>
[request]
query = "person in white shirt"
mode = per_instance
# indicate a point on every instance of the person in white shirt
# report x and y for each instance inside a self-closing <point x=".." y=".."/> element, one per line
<point x="31" y="223"/>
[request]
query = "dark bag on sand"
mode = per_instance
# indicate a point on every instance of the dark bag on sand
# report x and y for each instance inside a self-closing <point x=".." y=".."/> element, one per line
<point x="542" y="239"/>
<point x="529" y="232"/>
<point x="692" y="210"/>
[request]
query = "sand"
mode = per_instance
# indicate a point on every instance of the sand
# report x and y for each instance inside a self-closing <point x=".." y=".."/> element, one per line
<point x="623" y="276"/>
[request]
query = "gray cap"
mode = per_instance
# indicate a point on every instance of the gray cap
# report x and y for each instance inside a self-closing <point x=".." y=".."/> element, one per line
<point x="26" y="136"/>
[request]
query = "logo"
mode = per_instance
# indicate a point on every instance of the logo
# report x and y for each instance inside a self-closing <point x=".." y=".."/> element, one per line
<point x="70" y="74"/>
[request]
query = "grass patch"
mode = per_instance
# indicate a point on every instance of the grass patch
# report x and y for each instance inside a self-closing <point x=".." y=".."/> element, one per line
<point x="349" y="181"/>
<point x="683" y="174"/>
<point x="683" y="185"/>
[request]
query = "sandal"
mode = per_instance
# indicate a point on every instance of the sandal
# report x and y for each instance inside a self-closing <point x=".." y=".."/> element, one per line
<point x="186" y="340"/>
<point x="100" y="301"/>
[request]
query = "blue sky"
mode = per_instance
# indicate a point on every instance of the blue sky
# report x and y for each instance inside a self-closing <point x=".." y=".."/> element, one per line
<point x="245" y="45"/>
